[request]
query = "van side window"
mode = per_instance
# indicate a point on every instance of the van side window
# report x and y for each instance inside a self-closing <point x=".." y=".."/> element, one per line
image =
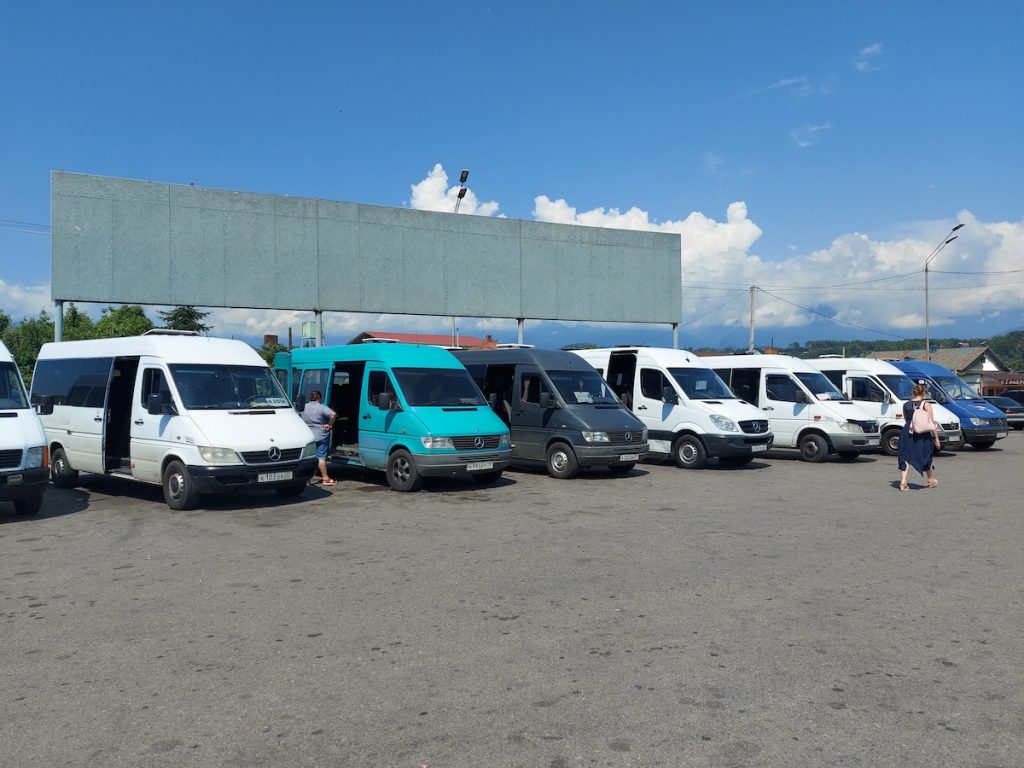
<point x="652" y="382"/>
<point x="79" y="382"/>
<point x="781" y="388"/>
<point x="865" y="389"/>
<point x="836" y="377"/>
<point x="153" y="380"/>
<point x="315" y="378"/>
<point x="379" y="382"/>
<point x="744" y="382"/>
<point x="532" y="385"/>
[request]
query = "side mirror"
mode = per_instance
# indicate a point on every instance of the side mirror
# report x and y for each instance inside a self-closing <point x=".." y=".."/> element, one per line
<point x="801" y="397"/>
<point x="158" y="405"/>
<point x="886" y="398"/>
<point x="492" y="399"/>
<point x="547" y="400"/>
<point x="669" y="395"/>
<point x="388" y="401"/>
<point x="45" y="405"/>
<point x="300" y="403"/>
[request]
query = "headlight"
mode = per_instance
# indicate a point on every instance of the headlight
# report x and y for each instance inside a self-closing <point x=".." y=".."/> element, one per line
<point x="36" y="458"/>
<point x="219" y="455"/>
<point x="724" y="424"/>
<point x="309" y="451"/>
<point x="979" y="422"/>
<point x="596" y="437"/>
<point x="504" y="441"/>
<point x="437" y="443"/>
<point x="849" y="426"/>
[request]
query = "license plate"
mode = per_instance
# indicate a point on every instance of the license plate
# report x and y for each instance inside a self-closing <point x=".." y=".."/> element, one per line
<point x="629" y="457"/>
<point x="872" y="442"/>
<point x="273" y="477"/>
<point x="756" y="448"/>
<point x="475" y="465"/>
<point x="1002" y="434"/>
<point x="15" y="479"/>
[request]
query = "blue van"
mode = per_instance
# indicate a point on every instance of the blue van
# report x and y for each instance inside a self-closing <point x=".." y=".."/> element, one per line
<point x="410" y="411"/>
<point x="980" y="422"/>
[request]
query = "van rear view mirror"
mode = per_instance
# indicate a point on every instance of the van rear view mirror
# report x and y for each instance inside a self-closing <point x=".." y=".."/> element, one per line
<point x="547" y="400"/>
<point x="300" y="403"/>
<point x="669" y="396"/>
<point x="45" y="405"/>
<point x="388" y="401"/>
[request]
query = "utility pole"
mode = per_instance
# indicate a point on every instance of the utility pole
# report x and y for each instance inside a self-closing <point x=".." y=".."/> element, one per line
<point x="750" y="347"/>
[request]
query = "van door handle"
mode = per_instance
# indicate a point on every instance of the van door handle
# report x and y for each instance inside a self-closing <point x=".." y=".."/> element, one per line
<point x="366" y="417"/>
<point x="140" y="422"/>
<point x="767" y="408"/>
<point x="641" y="407"/>
<point x="97" y="418"/>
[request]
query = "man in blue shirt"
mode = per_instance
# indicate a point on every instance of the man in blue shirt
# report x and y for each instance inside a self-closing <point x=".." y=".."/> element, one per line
<point x="320" y="419"/>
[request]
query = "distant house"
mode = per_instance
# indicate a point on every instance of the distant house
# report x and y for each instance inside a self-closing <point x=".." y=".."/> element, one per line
<point x="447" y="340"/>
<point x="978" y="366"/>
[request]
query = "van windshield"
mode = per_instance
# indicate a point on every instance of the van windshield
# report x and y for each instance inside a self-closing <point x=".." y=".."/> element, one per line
<point x="820" y="386"/>
<point x="223" y="387"/>
<point x="901" y="386"/>
<point x="438" y="386"/>
<point x="12" y="395"/>
<point x="701" y="384"/>
<point x="582" y="388"/>
<point x="957" y="388"/>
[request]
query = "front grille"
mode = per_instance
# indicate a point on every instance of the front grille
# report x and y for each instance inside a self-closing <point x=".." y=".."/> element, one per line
<point x="10" y="459"/>
<point x="620" y="438"/>
<point x="755" y="426"/>
<point x="951" y="427"/>
<point x="867" y="426"/>
<point x="262" y="457"/>
<point x="468" y="443"/>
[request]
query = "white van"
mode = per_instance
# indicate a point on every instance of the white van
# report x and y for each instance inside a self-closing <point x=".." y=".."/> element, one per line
<point x="688" y="410"/>
<point x="192" y="413"/>
<point x="804" y="408"/>
<point x="24" y="475"/>
<point x="881" y="389"/>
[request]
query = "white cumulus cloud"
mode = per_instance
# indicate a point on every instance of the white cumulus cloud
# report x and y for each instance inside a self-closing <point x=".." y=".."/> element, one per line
<point x="434" y="194"/>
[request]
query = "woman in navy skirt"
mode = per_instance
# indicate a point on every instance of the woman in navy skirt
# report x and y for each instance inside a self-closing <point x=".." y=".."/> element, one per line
<point x="917" y="448"/>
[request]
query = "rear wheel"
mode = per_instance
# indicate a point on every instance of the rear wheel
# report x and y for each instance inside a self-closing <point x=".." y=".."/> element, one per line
<point x="688" y="452"/>
<point x="61" y="473"/>
<point x="561" y="461"/>
<point x="982" y="445"/>
<point x="402" y="473"/>
<point x="488" y="477"/>
<point x="288" y="491"/>
<point x="29" y="506"/>
<point x="813" y="448"/>
<point x="891" y="442"/>
<point x="179" y="490"/>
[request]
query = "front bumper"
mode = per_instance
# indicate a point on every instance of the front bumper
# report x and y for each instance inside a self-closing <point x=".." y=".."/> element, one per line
<point x="458" y="464"/>
<point x="726" y="446"/>
<point x="608" y="454"/>
<point x="209" y="479"/>
<point x="981" y="434"/>
<point x="850" y="441"/>
<point x="23" y="483"/>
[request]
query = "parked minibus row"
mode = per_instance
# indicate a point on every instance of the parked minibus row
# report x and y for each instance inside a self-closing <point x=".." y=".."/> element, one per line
<point x="200" y="415"/>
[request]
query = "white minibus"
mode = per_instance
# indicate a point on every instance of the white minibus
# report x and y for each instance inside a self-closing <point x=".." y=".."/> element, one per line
<point x="192" y="413"/>
<point x="881" y="389"/>
<point x="805" y="409"/>
<point x="689" y="412"/>
<point x="24" y="476"/>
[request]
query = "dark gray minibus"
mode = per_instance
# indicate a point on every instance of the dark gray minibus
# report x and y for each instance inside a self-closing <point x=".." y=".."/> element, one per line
<point x="561" y="413"/>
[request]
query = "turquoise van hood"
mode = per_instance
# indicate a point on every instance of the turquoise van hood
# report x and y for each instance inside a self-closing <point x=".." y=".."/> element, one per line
<point x="452" y="421"/>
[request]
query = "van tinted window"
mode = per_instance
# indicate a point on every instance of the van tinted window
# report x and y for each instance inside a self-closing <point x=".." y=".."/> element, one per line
<point x="154" y="381"/>
<point x="652" y="381"/>
<point x="781" y="388"/>
<point x="11" y="393"/>
<point x="79" y="382"/>
<point x="378" y="383"/>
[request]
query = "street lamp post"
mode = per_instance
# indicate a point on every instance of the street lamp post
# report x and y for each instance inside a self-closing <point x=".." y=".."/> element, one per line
<point x="462" y="188"/>
<point x="946" y="240"/>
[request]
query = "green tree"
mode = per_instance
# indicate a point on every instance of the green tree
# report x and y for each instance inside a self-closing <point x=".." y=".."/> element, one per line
<point x="25" y="339"/>
<point x="185" y="318"/>
<point x="267" y="352"/>
<point x="129" y="320"/>
<point x="78" y="325"/>
<point x="5" y="321"/>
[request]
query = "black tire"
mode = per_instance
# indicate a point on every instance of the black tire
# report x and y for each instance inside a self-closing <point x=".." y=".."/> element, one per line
<point x="736" y="461"/>
<point x="561" y="461"/>
<point x="848" y="455"/>
<point x="179" y="490"/>
<point x="813" y="448"/>
<point x="621" y="469"/>
<point x="29" y="506"/>
<point x="688" y="452"/>
<point x="488" y="477"/>
<point x="289" y="491"/>
<point x="982" y="445"/>
<point x="61" y="473"/>
<point x="891" y="442"/>
<point x="402" y="473"/>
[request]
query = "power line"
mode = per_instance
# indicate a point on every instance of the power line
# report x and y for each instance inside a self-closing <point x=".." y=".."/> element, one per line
<point x="713" y="309"/>
<point x="834" y="320"/>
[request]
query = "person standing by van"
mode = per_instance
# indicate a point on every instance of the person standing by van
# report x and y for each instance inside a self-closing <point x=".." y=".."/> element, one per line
<point x="320" y="419"/>
<point x="919" y="439"/>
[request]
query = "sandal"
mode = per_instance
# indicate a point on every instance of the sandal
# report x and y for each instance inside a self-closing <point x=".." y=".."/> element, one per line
<point x="904" y="487"/>
<point x="330" y="482"/>
<point x="933" y="483"/>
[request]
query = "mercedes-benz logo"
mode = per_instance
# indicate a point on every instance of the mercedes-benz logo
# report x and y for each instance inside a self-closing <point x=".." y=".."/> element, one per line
<point x="629" y="437"/>
<point x="478" y="441"/>
<point x="274" y="454"/>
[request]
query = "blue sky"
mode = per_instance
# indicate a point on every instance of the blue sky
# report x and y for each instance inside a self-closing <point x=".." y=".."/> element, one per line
<point x="793" y="145"/>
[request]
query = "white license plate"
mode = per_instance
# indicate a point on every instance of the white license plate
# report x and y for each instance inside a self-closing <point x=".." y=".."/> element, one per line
<point x="273" y="477"/>
<point x="629" y="457"/>
<point x="872" y="442"/>
<point x="756" y="448"/>
<point x="475" y="465"/>
<point x="1002" y="434"/>
<point x="15" y="479"/>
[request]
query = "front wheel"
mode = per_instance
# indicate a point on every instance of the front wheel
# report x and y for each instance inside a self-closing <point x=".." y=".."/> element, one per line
<point x="688" y="452"/>
<point x="179" y="490"/>
<point x="891" y="442"/>
<point x="561" y="461"/>
<point x="61" y="473"/>
<point x="29" y="506"/>
<point x="402" y="473"/>
<point x="813" y="448"/>
<point x="982" y="445"/>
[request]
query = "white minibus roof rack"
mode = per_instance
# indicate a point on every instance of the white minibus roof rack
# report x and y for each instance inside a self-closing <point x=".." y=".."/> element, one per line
<point x="513" y="345"/>
<point x="169" y="332"/>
